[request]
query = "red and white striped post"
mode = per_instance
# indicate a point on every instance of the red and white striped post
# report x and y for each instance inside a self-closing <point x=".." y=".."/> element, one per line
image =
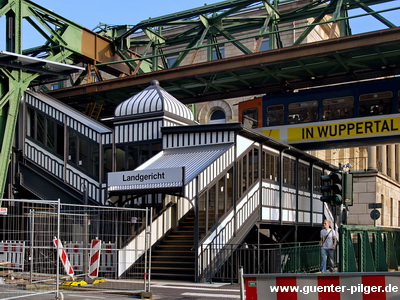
<point x="94" y="259"/>
<point x="63" y="257"/>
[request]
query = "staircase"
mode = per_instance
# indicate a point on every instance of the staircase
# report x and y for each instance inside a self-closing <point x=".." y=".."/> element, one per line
<point x="173" y="257"/>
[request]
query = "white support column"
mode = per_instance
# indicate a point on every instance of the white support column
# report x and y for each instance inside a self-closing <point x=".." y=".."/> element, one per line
<point x="372" y="158"/>
<point x="397" y="162"/>
<point x="383" y="158"/>
<point x="392" y="161"/>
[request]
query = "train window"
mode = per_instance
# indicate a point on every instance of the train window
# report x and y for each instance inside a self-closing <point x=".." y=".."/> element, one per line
<point x="275" y="115"/>
<point x="338" y="108"/>
<point x="375" y="104"/>
<point x="303" y="112"/>
<point x="249" y="117"/>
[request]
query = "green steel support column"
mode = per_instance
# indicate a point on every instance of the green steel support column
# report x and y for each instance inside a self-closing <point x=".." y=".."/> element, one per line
<point x="396" y="241"/>
<point x="367" y="263"/>
<point x="8" y="121"/>
<point x="379" y="253"/>
<point x="13" y="86"/>
<point x="347" y="260"/>
<point x="391" y="252"/>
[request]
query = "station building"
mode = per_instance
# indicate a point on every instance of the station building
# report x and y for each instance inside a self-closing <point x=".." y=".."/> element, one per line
<point x="234" y="184"/>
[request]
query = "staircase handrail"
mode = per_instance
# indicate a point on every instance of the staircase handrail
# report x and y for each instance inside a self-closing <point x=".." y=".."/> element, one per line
<point x="159" y="226"/>
<point x="210" y="252"/>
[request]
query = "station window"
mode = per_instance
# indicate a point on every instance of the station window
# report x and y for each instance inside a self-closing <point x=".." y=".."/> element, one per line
<point x="338" y="108"/>
<point x="375" y="104"/>
<point x="289" y="172"/>
<point x="304" y="177"/>
<point x="275" y="115"/>
<point x="270" y="166"/>
<point x="129" y="157"/>
<point x="303" y="112"/>
<point x="248" y="170"/>
<point x="317" y="173"/>
<point x="215" y="202"/>
<point x="45" y="131"/>
<point x="250" y="117"/>
<point x="83" y="153"/>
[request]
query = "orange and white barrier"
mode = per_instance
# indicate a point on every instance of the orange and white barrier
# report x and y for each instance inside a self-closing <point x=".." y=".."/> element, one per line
<point x="108" y="258"/>
<point x="336" y="286"/>
<point x="75" y="252"/>
<point x="13" y="253"/>
<point x="63" y="257"/>
<point x="94" y="259"/>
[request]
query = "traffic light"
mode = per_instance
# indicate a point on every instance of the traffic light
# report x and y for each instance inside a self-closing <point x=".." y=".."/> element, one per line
<point x="348" y="189"/>
<point x="332" y="188"/>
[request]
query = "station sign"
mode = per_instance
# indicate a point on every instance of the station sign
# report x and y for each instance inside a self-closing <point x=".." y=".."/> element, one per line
<point x="336" y="130"/>
<point x="145" y="179"/>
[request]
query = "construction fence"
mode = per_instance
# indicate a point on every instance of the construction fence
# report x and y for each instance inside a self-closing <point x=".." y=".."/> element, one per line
<point x="51" y="247"/>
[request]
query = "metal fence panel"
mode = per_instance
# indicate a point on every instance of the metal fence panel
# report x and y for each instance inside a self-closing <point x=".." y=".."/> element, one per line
<point x="267" y="259"/>
<point x="54" y="246"/>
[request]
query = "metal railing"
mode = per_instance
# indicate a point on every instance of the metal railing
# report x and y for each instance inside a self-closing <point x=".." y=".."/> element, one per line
<point x="369" y="248"/>
<point x="268" y="259"/>
<point x="357" y="163"/>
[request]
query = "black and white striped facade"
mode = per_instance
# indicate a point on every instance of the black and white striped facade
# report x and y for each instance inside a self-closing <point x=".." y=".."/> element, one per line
<point x="141" y="117"/>
<point x="70" y="117"/>
<point x="57" y="165"/>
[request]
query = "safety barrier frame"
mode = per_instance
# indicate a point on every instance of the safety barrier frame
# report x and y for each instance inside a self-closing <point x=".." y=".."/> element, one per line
<point x="51" y="263"/>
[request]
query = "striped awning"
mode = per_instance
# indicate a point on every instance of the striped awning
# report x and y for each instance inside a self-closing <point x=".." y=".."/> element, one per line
<point x="194" y="160"/>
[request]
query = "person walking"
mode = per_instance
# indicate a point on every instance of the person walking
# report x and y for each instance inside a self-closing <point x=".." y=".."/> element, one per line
<point x="328" y="246"/>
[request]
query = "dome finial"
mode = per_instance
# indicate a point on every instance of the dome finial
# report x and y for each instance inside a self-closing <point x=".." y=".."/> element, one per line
<point x="155" y="82"/>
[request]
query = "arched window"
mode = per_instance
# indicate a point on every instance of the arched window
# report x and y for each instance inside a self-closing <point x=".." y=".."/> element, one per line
<point x="217" y="116"/>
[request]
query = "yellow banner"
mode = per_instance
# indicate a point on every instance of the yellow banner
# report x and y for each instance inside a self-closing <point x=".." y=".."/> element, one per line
<point x="347" y="129"/>
<point x="274" y="133"/>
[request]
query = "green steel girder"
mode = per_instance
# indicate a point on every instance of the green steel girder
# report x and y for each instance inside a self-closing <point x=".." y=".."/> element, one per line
<point x="379" y="252"/>
<point x="17" y="72"/>
<point x="391" y="257"/>
<point x="223" y="25"/>
<point x="61" y="35"/>
<point x="377" y="248"/>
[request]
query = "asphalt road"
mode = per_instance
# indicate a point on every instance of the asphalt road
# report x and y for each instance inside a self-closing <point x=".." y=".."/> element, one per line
<point x="159" y="290"/>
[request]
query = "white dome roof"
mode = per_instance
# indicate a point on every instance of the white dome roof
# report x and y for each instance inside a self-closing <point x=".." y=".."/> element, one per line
<point x="153" y="99"/>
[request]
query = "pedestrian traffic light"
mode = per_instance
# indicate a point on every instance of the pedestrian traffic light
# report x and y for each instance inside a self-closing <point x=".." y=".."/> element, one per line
<point x="332" y="188"/>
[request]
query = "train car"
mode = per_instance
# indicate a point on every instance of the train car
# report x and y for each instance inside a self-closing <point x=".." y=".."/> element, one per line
<point x="353" y="114"/>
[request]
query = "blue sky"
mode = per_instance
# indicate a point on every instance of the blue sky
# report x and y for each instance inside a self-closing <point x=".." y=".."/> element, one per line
<point x="89" y="13"/>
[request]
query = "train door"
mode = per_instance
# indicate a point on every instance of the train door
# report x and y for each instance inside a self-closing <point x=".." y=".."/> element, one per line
<point x="250" y="113"/>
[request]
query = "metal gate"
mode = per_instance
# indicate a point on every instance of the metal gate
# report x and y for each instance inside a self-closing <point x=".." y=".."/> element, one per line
<point x="50" y="247"/>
